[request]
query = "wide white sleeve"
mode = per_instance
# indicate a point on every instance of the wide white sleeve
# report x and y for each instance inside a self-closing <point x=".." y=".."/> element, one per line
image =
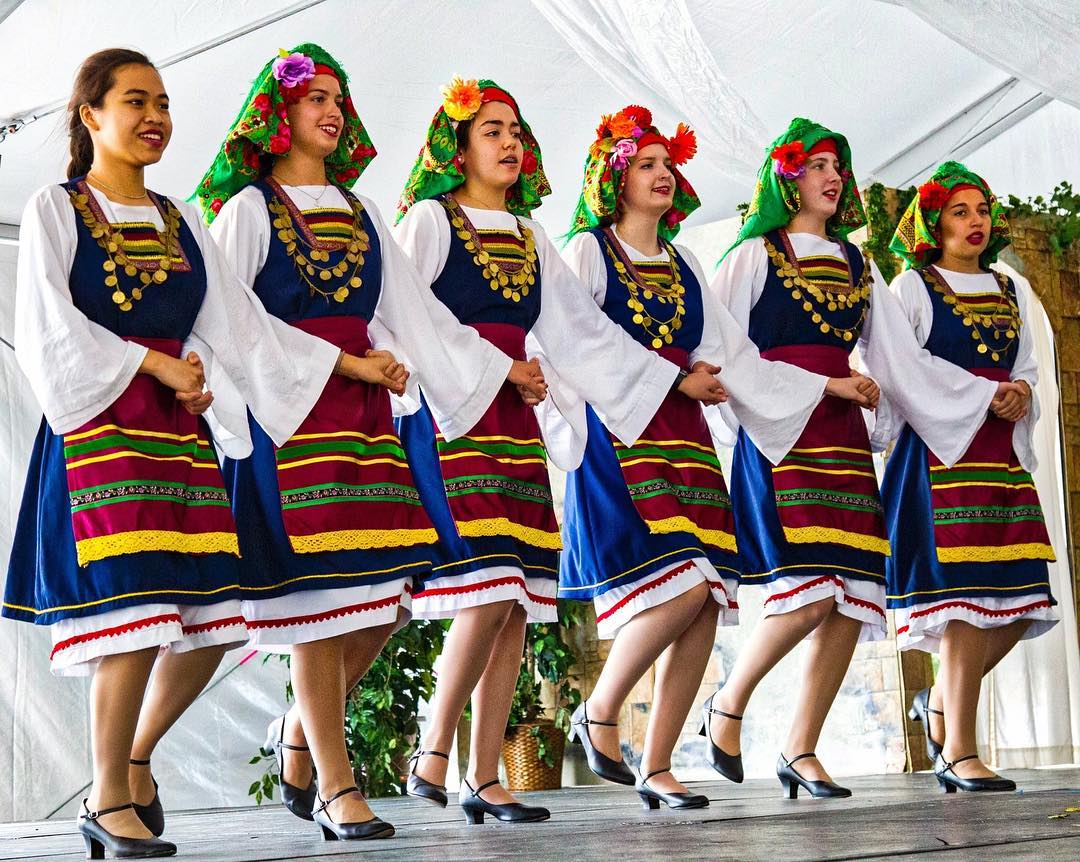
<point x="623" y="381"/>
<point x="242" y="232"/>
<point x="459" y="371"/>
<point x="740" y="279"/>
<point x="76" y="367"/>
<point x="944" y="403"/>
<point x="1026" y="368"/>
<point x="585" y="257"/>
<point x="771" y="400"/>
<point x="424" y="235"/>
<point x="277" y="370"/>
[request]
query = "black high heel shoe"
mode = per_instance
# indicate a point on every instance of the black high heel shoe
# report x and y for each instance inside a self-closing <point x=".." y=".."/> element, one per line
<point x="651" y="799"/>
<point x="475" y="807"/>
<point x="152" y="814"/>
<point x="98" y="838"/>
<point x="920" y="707"/>
<point x="604" y="766"/>
<point x="331" y="831"/>
<point x="950" y="782"/>
<point x="299" y="800"/>
<point x="792" y="781"/>
<point x="728" y="765"/>
<point x="421" y="788"/>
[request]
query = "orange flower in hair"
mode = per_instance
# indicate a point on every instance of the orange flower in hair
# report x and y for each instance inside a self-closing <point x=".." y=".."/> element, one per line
<point x="462" y="99"/>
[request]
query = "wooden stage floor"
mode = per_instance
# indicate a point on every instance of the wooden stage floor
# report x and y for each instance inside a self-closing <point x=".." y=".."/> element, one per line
<point x="896" y="817"/>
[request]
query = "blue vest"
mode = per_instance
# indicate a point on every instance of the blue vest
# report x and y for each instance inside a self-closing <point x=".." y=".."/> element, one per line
<point x="462" y="288"/>
<point x="687" y="337"/>
<point x="778" y="319"/>
<point x="286" y="295"/>
<point x="165" y="311"/>
<point x="951" y="340"/>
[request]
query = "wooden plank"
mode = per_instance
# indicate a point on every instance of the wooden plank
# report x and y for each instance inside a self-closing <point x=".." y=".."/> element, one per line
<point x="894" y="816"/>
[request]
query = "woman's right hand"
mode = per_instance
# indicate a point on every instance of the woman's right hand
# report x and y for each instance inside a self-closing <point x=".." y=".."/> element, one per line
<point x="529" y="380"/>
<point x="701" y="385"/>
<point x="180" y="375"/>
<point x="858" y="388"/>
<point x="378" y="367"/>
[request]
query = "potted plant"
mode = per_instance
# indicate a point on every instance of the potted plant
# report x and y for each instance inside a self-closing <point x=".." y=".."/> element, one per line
<point x="536" y="734"/>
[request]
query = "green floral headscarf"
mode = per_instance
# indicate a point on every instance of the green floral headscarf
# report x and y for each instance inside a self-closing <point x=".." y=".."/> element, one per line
<point x="437" y="169"/>
<point x="918" y="238"/>
<point x="776" y="196"/>
<point x="261" y="129"/>
<point x="618" y="139"/>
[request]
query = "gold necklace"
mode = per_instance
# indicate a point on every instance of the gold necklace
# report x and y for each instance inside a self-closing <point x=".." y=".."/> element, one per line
<point x="514" y="280"/>
<point x="803" y="289"/>
<point x="109" y="188"/>
<point x="971" y="319"/>
<point x="111" y="241"/>
<point x="310" y="265"/>
<point x="661" y="331"/>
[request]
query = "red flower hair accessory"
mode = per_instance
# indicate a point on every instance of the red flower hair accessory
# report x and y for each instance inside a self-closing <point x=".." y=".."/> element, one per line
<point x="933" y="195"/>
<point x="682" y="146"/>
<point x="789" y="160"/>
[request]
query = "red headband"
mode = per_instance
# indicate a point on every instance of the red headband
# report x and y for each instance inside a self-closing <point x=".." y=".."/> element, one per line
<point x="959" y="188"/>
<point x="825" y="145"/>
<point x="494" y="94"/>
<point x="651" y="138"/>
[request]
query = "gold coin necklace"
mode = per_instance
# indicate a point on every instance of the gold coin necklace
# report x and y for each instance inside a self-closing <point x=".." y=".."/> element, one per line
<point x="971" y="318"/>
<point x="150" y="269"/>
<point x="331" y="281"/>
<point x="511" y="279"/>
<point x="805" y="291"/>
<point x="638" y="287"/>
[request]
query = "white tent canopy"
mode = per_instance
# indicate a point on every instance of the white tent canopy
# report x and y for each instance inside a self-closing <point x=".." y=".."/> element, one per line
<point x="992" y="82"/>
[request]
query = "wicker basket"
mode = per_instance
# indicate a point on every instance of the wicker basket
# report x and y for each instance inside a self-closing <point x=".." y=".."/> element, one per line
<point x="524" y="769"/>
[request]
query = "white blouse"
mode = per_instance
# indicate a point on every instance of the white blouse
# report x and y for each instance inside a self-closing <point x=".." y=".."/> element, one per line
<point x="771" y="400"/>
<point x="910" y="291"/>
<point x="585" y="357"/>
<point x="915" y="385"/>
<point x="458" y="371"/>
<point x="77" y="368"/>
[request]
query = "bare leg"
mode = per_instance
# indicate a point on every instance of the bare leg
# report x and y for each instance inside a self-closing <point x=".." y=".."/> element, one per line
<point x="826" y="663"/>
<point x="178" y="679"/>
<point x="637" y="646"/>
<point x="465" y="656"/>
<point x="360" y="648"/>
<point x="963" y="657"/>
<point x="491" y="701"/>
<point x="678" y="678"/>
<point x="773" y="638"/>
<point x="999" y="643"/>
<point x="116" y="694"/>
<point x="318" y="676"/>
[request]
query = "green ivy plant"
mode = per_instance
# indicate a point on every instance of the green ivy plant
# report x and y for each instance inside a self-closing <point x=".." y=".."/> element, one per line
<point x="548" y="656"/>
<point x="881" y="225"/>
<point x="1061" y="213"/>
<point x="380" y="713"/>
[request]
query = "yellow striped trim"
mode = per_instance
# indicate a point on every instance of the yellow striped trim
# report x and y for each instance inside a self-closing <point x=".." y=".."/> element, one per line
<point x="353" y="540"/>
<point x="496" y="439"/>
<point x="832" y="449"/>
<point x="996" y="554"/>
<point x="826" y="471"/>
<point x="497" y="459"/>
<point x="209" y="465"/>
<point x="355" y="434"/>
<point x="419" y="565"/>
<point x="875" y="575"/>
<point x="483" y="527"/>
<point x="968" y="589"/>
<point x="1017" y="469"/>
<point x="814" y="535"/>
<point x="709" y="449"/>
<point x="134" y="432"/>
<point x="983" y="485"/>
<point x="136" y="541"/>
<point x="363" y="462"/>
<point x="682" y="524"/>
<point x="521" y="562"/>
<point x="696" y="464"/>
